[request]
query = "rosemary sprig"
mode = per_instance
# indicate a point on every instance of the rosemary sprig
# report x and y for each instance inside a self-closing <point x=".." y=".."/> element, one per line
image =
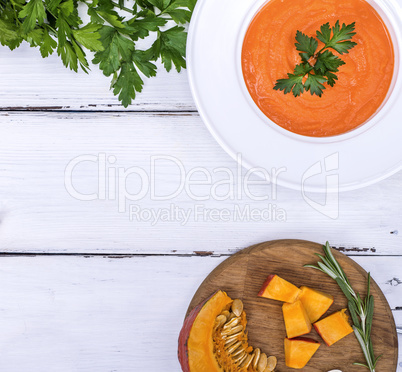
<point x="360" y="310"/>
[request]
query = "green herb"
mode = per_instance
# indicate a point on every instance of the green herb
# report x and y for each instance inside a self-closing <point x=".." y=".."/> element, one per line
<point x="111" y="33"/>
<point x="318" y="68"/>
<point x="360" y="310"/>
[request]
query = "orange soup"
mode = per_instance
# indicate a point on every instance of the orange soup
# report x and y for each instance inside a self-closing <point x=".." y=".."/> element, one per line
<point x="269" y="53"/>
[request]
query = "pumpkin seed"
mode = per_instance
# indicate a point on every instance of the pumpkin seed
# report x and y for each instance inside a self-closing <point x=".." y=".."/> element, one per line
<point x="234" y="347"/>
<point x="226" y="313"/>
<point x="237" y="307"/>
<point x="220" y="321"/>
<point x="262" y="363"/>
<point x="271" y="362"/>
<point x="257" y="353"/>
<point x="246" y="361"/>
<point x="232" y="331"/>
<point x="238" y="351"/>
<point x="240" y="356"/>
<point x="233" y="322"/>
<point x="229" y="343"/>
<point x="234" y="336"/>
<point x="231" y="316"/>
<point x="242" y="359"/>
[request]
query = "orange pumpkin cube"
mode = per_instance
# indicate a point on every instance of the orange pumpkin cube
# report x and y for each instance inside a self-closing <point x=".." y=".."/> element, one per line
<point x="297" y="322"/>
<point x="315" y="302"/>
<point x="298" y="351"/>
<point x="334" y="327"/>
<point x="279" y="289"/>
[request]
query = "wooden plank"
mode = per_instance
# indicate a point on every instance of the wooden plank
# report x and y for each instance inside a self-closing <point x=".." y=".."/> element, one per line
<point x="64" y="313"/>
<point x="37" y="213"/>
<point x="30" y="82"/>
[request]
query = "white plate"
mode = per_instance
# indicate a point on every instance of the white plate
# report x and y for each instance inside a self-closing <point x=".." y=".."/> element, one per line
<point x="356" y="159"/>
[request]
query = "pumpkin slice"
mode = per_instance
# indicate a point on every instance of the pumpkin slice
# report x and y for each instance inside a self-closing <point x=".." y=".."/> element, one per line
<point x="298" y="351"/>
<point x="315" y="302"/>
<point x="297" y="322"/>
<point x="214" y="339"/>
<point x="279" y="289"/>
<point x="334" y="327"/>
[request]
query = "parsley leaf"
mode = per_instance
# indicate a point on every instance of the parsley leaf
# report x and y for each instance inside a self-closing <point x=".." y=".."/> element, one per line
<point x="314" y="84"/>
<point x="341" y="36"/>
<point x="330" y="78"/>
<point x="292" y="83"/>
<point x="33" y="11"/>
<point x="177" y="10"/>
<point x="328" y="62"/>
<point x="142" y="61"/>
<point x="318" y="68"/>
<point x="191" y="4"/>
<point x="306" y="44"/>
<point x="117" y="47"/>
<point x="302" y="69"/>
<point x="170" y="46"/>
<point x="160" y="4"/>
<point x="88" y="36"/>
<point x="127" y="83"/>
<point x="8" y="33"/>
<point x="48" y="44"/>
<point x="145" y="22"/>
<point x="104" y="10"/>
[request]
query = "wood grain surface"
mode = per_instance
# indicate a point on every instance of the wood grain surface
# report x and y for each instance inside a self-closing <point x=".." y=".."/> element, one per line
<point x="242" y="275"/>
<point x="38" y="215"/>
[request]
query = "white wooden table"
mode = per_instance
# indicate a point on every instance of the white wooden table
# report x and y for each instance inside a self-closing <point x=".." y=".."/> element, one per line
<point x="84" y="287"/>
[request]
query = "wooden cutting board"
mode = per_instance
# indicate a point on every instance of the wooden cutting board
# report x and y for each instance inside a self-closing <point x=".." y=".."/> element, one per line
<point x="243" y="274"/>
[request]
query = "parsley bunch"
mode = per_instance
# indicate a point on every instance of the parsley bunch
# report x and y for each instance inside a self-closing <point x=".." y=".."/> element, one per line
<point x="318" y="68"/>
<point x="112" y="34"/>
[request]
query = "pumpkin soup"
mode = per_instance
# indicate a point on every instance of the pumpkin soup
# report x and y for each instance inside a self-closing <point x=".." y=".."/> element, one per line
<point x="269" y="54"/>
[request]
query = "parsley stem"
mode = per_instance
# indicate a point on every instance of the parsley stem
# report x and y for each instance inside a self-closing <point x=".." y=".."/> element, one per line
<point x="16" y="13"/>
<point x="122" y="8"/>
<point x="52" y="29"/>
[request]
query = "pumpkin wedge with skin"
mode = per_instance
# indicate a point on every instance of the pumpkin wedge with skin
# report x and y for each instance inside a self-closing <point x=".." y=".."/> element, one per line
<point x="315" y="302"/>
<point x="334" y="327"/>
<point x="195" y="340"/>
<point x="279" y="289"/>
<point x="214" y="338"/>
<point x="297" y="322"/>
<point x="299" y="351"/>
